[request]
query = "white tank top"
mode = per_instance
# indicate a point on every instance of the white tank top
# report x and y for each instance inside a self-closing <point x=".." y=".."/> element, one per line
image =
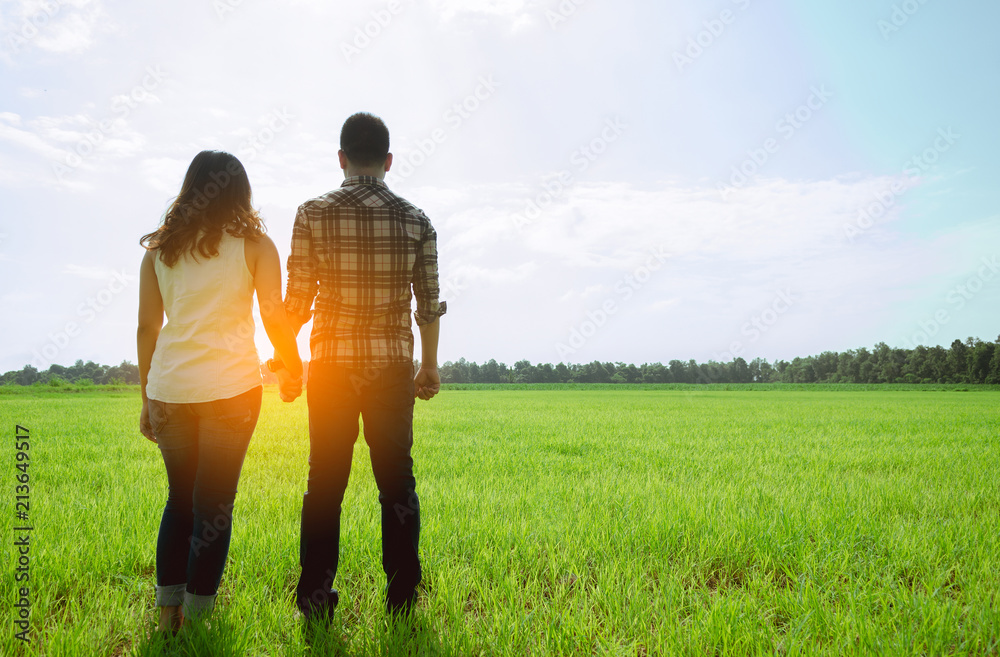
<point x="206" y="350"/>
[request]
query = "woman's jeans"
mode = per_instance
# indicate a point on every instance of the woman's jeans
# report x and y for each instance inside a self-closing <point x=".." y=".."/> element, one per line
<point x="203" y="446"/>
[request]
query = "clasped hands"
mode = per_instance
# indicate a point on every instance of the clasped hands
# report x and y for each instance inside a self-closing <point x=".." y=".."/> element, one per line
<point x="289" y="387"/>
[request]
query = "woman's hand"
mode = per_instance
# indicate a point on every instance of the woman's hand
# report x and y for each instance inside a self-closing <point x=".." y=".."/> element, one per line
<point x="289" y="387"/>
<point x="144" y="425"/>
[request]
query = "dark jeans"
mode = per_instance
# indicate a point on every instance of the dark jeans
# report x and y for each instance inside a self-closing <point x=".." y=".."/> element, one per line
<point x="383" y="398"/>
<point x="203" y="446"/>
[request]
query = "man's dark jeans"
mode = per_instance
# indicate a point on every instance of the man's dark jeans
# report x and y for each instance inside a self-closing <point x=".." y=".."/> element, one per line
<point x="383" y="398"/>
<point x="203" y="446"/>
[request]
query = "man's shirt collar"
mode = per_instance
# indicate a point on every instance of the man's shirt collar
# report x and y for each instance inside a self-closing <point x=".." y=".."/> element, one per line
<point x="364" y="180"/>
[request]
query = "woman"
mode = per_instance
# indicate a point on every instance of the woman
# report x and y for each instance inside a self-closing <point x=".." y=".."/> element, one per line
<point x="200" y="374"/>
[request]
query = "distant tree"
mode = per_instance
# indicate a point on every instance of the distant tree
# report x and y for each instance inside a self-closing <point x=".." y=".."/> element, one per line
<point x="958" y="360"/>
<point x="27" y="376"/>
<point x="917" y="366"/>
<point x="994" y="375"/>
<point x="767" y="372"/>
<point x="525" y="372"/>
<point x="848" y="370"/>
<point x="741" y="371"/>
<point x="937" y="364"/>
<point x="825" y="366"/>
<point x="630" y="372"/>
<point x="800" y="370"/>
<point x="980" y="361"/>
<point x="781" y="371"/>
<point x="491" y="372"/>
<point x="654" y="373"/>
<point x="451" y="373"/>
<point x="866" y="366"/>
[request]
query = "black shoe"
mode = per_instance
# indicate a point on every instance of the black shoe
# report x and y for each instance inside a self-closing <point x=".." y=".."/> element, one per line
<point x="401" y="605"/>
<point x="311" y="610"/>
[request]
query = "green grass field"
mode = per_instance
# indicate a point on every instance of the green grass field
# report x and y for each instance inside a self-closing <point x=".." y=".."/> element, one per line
<point x="566" y="522"/>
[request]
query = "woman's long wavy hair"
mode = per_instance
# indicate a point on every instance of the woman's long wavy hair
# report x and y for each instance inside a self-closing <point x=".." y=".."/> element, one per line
<point x="214" y="197"/>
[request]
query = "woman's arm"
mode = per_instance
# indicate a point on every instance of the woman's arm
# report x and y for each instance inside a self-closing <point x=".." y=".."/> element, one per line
<point x="150" y="317"/>
<point x="150" y="323"/>
<point x="265" y="265"/>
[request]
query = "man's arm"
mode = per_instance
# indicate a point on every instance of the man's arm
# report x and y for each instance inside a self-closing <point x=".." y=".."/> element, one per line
<point x="303" y="279"/>
<point x="426" y="289"/>
<point x="427" y="382"/>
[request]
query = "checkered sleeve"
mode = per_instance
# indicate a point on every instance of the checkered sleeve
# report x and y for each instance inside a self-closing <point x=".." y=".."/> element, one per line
<point x="425" y="280"/>
<point x="303" y="278"/>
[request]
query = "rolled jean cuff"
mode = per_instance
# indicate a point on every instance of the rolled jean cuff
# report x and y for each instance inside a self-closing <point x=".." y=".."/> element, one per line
<point x="198" y="605"/>
<point x="170" y="596"/>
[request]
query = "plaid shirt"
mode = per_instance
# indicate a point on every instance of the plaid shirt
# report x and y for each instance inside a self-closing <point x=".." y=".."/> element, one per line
<point x="357" y="250"/>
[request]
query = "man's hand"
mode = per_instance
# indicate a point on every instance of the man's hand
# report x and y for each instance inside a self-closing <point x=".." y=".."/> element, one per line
<point x="289" y="387"/>
<point x="145" y="427"/>
<point x="427" y="383"/>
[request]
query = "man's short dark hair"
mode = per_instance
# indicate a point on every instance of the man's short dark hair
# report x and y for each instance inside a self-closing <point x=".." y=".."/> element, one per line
<point x="365" y="139"/>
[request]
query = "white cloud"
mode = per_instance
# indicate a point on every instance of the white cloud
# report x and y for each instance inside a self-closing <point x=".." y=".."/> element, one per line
<point x="63" y="27"/>
<point x="164" y="174"/>
<point x="588" y="292"/>
<point x="721" y="263"/>
<point x="470" y="274"/>
<point x="88" y="272"/>
<point x="519" y="14"/>
<point x="71" y="142"/>
<point x="9" y="131"/>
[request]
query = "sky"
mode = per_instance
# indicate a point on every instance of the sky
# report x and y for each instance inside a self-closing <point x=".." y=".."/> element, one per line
<point x="636" y="181"/>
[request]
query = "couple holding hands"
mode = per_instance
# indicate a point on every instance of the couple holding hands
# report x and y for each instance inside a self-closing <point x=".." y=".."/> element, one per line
<point x="359" y="255"/>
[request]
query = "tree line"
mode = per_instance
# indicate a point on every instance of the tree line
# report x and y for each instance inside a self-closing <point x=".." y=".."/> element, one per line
<point x="971" y="361"/>
<point x="78" y="373"/>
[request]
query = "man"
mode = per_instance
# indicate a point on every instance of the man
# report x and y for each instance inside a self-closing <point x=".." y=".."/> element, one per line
<point x="357" y="251"/>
